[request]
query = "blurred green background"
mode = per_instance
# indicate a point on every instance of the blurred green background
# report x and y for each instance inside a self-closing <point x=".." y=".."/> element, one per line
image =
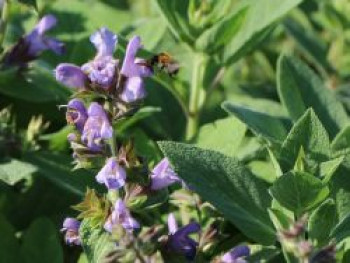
<point x="38" y="187"/>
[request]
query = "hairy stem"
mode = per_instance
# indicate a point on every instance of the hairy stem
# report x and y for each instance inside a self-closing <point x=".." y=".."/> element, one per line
<point x="5" y="14"/>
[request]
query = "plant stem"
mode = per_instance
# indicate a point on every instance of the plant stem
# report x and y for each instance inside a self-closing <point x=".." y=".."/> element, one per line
<point x="5" y="14"/>
<point x="195" y="95"/>
<point x="113" y="145"/>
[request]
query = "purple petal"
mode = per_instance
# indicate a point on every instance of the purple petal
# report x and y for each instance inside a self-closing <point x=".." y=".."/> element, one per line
<point x="172" y="224"/>
<point x="191" y="228"/>
<point x="96" y="128"/>
<point x="129" y="68"/>
<point x="180" y="242"/>
<point x="76" y="114"/>
<point x="72" y="137"/>
<point x="130" y="224"/>
<point x="134" y="90"/>
<point x="108" y="226"/>
<point x="161" y="167"/>
<point x="120" y="207"/>
<point x="235" y="254"/>
<point x="144" y="70"/>
<point x="77" y="105"/>
<point x="46" y="23"/>
<point x="163" y="175"/>
<point x="38" y="42"/>
<point x="55" y="45"/>
<point x="71" y="224"/>
<point x="112" y="175"/>
<point x="121" y="215"/>
<point x="158" y="183"/>
<point x="96" y="110"/>
<point x="104" y="41"/>
<point x="70" y="75"/>
<point x="101" y="71"/>
<point x="106" y="130"/>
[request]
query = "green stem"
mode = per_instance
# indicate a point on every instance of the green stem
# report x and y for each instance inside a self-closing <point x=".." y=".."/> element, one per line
<point x="112" y="141"/>
<point x="195" y="96"/>
<point x="113" y="145"/>
<point x="5" y="14"/>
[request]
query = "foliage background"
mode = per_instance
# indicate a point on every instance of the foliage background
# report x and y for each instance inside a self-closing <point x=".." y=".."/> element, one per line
<point x="38" y="188"/>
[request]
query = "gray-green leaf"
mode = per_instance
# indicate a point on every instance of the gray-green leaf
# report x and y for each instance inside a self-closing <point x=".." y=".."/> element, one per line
<point x="299" y="191"/>
<point x="42" y="231"/>
<point x="321" y="222"/>
<point x="260" y="17"/>
<point x="228" y="185"/>
<point x="224" y="135"/>
<point x="221" y="32"/>
<point x="309" y="134"/>
<point x="261" y="124"/>
<point x="300" y="88"/>
<point x="13" y="171"/>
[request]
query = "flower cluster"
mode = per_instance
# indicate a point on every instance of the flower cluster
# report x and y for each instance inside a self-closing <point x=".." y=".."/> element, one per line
<point x="105" y="90"/>
<point x="103" y="74"/>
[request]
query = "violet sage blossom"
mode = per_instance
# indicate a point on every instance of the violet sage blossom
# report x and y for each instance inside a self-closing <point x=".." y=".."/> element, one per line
<point x="38" y="42"/>
<point x="71" y="227"/>
<point x="121" y="216"/>
<point x="179" y="240"/>
<point x="102" y="69"/>
<point x="97" y="127"/>
<point x="163" y="175"/>
<point x="30" y="46"/>
<point x="236" y="255"/>
<point x="76" y="114"/>
<point x="112" y="174"/>
<point x="71" y="76"/>
<point x="133" y="69"/>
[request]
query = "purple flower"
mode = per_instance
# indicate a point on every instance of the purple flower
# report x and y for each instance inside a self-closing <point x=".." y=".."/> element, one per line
<point x="72" y="137"/>
<point x="144" y="70"/>
<point x="71" y="227"/>
<point x="102" y="70"/>
<point x="133" y="90"/>
<point x="121" y="216"/>
<point x="104" y="41"/>
<point x="131" y="67"/>
<point x="71" y="75"/>
<point x="38" y="42"/>
<point x="134" y="69"/>
<point x="236" y="255"/>
<point x="179" y="240"/>
<point x="112" y="174"/>
<point x="76" y="114"/>
<point x="97" y="127"/>
<point x="163" y="175"/>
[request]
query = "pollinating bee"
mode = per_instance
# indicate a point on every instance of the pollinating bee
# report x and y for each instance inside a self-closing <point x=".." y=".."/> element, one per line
<point x="164" y="62"/>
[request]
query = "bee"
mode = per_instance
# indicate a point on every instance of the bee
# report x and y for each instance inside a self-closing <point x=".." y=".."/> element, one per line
<point x="164" y="62"/>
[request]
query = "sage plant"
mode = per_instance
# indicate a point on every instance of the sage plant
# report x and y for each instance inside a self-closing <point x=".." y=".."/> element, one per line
<point x="107" y="91"/>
